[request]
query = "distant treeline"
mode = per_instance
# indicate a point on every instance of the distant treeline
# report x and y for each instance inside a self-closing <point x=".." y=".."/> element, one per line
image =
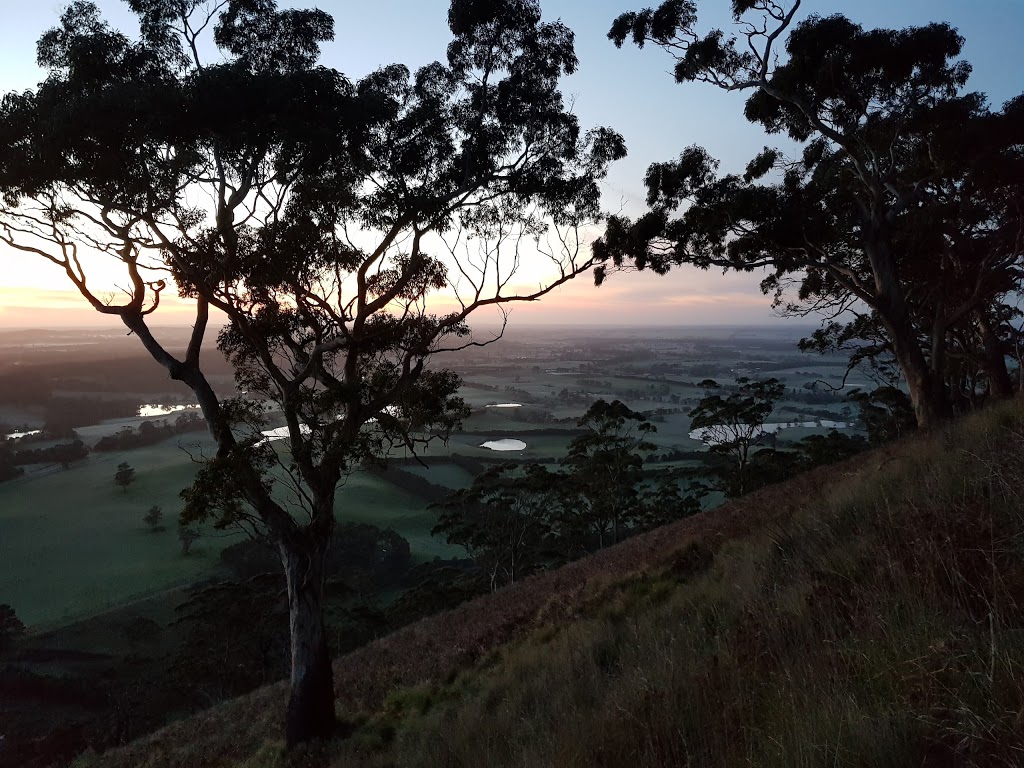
<point x="12" y="461"/>
<point x="83" y="372"/>
<point x="550" y="432"/>
<point x="410" y="482"/>
<point x="150" y="433"/>
<point x="65" y="453"/>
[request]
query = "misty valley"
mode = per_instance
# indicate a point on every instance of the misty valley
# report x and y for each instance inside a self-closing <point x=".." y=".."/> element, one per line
<point x="519" y="403"/>
<point x="113" y="592"/>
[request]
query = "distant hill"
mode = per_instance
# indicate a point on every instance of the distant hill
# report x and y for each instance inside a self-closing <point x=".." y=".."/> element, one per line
<point x="864" y="614"/>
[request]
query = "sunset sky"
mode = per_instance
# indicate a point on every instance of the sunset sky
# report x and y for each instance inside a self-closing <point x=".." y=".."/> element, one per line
<point x="629" y="90"/>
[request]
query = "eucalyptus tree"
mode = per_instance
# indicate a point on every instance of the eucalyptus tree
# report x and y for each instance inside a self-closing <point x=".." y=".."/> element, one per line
<point x="904" y="206"/>
<point x="504" y="520"/>
<point x="733" y="424"/>
<point x="321" y="217"/>
<point x="603" y="493"/>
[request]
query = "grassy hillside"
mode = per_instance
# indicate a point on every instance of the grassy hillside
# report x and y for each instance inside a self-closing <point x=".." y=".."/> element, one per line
<point x="862" y="615"/>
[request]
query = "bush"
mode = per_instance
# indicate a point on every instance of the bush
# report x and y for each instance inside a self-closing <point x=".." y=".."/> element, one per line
<point x="153" y="517"/>
<point x="11" y="628"/>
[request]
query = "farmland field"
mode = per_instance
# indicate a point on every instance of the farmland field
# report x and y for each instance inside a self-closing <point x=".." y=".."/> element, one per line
<point x="73" y="544"/>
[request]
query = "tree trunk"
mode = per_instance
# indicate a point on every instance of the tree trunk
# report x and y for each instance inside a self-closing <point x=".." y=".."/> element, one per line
<point x="926" y="395"/>
<point x="311" y="703"/>
<point x="925" y="390"/>
<point x="994" y="361"/>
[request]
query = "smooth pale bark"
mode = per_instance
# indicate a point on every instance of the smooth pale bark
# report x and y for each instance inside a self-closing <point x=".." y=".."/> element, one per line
<point x="311" y="703"/>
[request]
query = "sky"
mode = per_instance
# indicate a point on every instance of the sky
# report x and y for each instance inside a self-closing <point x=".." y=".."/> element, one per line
<point x="629" y="90"/>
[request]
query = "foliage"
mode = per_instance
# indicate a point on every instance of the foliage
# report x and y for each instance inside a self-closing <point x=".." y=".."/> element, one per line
<point x="187" y="537"/>
<point x="149" y="433"/>
<point x="601" y="495"/>
<point x="356" y="549"/>
<point x="9" y="468"/>
<point x="153" y="517"/>
<point x="504" y="520"/>
<point x="124" y="476"/>
<point x="215" y="660"/>
<point x="885" y="413"/>
<point x="64" y="453"/>
<point x="732" y="425"/>
<point x="768" y="466"/>
<point x="516" y="520"/>
<point x="902" y="210"/>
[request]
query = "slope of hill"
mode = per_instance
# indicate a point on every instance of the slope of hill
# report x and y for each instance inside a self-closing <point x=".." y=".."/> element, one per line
<point x="866" y="614"/>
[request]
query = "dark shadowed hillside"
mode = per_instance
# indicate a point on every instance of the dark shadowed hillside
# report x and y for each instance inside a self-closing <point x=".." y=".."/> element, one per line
<point x="862" y="615"/>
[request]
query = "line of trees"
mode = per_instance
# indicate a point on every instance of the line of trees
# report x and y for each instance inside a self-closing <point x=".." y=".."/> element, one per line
<point x="733" y="428"/>
<point x="63" y="453"/>
<point x="150" y="433"/>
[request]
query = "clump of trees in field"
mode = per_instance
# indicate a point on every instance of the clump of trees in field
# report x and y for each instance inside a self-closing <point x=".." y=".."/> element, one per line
<point x="64" y="454"/>
<point x="187" y="536"/>
<point x="516" y="519"/>
<point x="9" y="469"/>
<point x="733" y="424"/>
<point x="733" y="427"/>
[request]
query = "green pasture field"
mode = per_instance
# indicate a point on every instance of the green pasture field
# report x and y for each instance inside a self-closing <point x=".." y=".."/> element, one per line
<point x="73" y="544"/>
<point x="442" y="473"/>
<point x="366" y="499"/>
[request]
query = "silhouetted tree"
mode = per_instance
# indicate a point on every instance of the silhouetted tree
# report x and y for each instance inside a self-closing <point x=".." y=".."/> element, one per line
<point x="187" y="537"/>
<point x="11" y="628"/>
<point x="665" y="502"/>
<point x="906" y="200"/>
<point x="503" y="520"/>
<point x="732" y="425"/>
<point x="8" y="466"/>
<point x="153" y="517"/>
<point x="885" y="413"/>
<point x="336" y="209"/>
<point x="216" y="661"/>
<point x="124" y="476"/>
<point x="605" y="469"/>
